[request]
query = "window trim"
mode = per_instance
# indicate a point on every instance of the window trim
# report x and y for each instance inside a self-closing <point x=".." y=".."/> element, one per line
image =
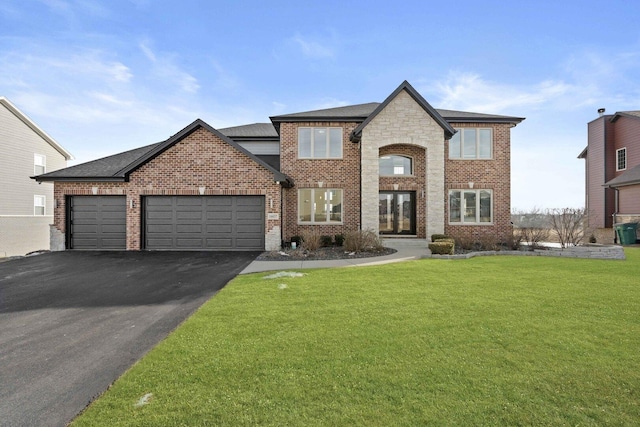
<point x="462" y="206"/>
<point x="619" y="151"/>
<point x="43" y="205"/>
<point x="327" y="157"/>
<point x="36" y="156"/>
<point x="411" y="165"/>
<point x="460" y="133"/>
<point x="328" y="214"/>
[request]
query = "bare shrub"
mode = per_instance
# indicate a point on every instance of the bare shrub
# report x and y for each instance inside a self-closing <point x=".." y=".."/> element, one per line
<point x="362" y="240"/>
<point x="531" y="227"/>
<point x="311" y="240"/>
<point x="568" y="224"/>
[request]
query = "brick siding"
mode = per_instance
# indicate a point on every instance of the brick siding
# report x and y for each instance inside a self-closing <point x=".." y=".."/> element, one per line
<point x="494" y="174"/>
<point x="199" y="160"/>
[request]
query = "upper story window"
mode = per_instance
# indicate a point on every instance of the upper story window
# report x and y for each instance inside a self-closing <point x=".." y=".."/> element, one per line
<point x="621" y="159"/>
<point x="471" y="143"/>
<point x="39" y="203"/>
<point x="470" y="207"/>
<point x="319" y="143"/>
<point x="320" y="205"/>
<point x="394" y="165"/>
<point x="39" y="164"/>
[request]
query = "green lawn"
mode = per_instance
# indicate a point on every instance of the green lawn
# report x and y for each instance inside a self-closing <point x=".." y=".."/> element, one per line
<point x="484" y="341"/>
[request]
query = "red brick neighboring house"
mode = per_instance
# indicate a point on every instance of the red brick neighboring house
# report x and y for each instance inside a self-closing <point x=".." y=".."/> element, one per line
<point x="612" y="171"/>
<point x="400" y="168"/>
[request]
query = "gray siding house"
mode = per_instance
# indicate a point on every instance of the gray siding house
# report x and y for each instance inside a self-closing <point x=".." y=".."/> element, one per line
<point x="26" y="206"/>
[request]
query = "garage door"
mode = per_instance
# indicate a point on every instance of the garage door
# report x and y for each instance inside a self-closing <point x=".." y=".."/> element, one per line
<point x="97" y="222"/>
<point x="204" y="222"/>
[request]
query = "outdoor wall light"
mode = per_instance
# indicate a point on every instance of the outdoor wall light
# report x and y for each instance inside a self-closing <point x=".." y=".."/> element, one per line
<point x="131" y="204"/>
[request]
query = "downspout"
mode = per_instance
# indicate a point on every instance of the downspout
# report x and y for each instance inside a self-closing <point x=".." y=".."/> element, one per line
<point x="615" y="212"/>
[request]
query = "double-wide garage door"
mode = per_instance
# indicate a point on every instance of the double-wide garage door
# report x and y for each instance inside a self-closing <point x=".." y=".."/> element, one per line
<point x="204" y="222"/>
<point x="169" y="222"/>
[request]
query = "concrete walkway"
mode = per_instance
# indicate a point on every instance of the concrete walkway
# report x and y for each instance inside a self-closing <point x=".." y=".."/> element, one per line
<point x="407" y="249"/>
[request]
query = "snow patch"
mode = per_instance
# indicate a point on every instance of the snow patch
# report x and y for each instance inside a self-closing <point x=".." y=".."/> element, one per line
<point x="283" y="274"/>
<point x="144" y="400"/>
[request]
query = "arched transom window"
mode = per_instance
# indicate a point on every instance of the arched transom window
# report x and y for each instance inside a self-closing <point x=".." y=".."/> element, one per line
<point x="395" y="164"/>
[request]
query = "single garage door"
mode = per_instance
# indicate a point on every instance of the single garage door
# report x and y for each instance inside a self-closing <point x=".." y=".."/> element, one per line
<point x="97" y="222"/>
<point x="204" y="222"/>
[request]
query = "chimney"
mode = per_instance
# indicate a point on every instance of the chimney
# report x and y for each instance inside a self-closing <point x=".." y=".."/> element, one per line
<point x="601" y="111"/>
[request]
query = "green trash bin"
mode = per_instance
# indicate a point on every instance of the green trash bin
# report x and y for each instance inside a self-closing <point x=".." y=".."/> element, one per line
<point x="627" y="232"/>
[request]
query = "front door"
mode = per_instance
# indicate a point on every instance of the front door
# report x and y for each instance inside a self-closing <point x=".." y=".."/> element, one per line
<point x="397" y="210"/>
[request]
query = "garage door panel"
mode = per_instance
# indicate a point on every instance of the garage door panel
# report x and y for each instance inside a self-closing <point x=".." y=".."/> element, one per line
<point x="97" y="222"/>
<point x="205" y="222"/>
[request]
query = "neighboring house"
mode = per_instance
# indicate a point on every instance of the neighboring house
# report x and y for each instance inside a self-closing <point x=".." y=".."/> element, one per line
<point x="612" y="178"/>
<point x="26" y="207"/>
<point x="400" y="168"/>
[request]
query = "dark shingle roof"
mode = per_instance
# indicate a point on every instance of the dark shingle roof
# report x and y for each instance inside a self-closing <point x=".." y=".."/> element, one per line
<point x="106" y="167"/>
<point x="362" y="111"/>
<point x="255" y="130"/>
<point x="630" y="177"/>
<point x="119" y="166"/>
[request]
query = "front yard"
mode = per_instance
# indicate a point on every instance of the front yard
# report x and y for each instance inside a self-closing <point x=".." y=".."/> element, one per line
<point x="485" y="341"/>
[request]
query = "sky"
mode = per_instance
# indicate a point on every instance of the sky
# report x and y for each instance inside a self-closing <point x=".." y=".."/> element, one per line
<point x="102" y="77"/>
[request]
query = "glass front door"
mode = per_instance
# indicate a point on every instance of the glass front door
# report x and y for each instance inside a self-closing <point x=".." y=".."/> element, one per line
<point x="397" y="213"/>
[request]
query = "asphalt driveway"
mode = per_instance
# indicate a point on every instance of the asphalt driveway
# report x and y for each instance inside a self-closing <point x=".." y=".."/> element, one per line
<point x="72" y="322"/>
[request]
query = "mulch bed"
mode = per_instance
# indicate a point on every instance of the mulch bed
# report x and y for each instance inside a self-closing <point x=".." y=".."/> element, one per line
<point x="329" y="253"/>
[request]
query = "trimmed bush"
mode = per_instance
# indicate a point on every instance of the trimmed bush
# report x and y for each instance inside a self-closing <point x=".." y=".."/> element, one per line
<point x="435" y="237"/>
<point x="326" y="240"/>
<point x="442" y="247"/>
<point x="339" y="239"/>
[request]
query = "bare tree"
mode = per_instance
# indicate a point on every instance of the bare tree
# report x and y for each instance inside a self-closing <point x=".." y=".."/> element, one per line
<point x="569" y="225"/>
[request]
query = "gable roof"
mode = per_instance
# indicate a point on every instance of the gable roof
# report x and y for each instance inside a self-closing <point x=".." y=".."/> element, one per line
<point x="405" y="86"/>
<point x="631" y="114"/>
<point x="118" y="167"/>
<point x="34" y="127"/>
<point x="630" y="177"/>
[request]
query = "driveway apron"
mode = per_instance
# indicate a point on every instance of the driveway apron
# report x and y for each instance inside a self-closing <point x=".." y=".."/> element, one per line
<point x="72" y="322"/>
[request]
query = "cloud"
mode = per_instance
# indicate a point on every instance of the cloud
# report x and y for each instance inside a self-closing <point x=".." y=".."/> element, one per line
<point x="469" y="91"/>
<point x="313" y="49"/>
<point x="165" y="67"/>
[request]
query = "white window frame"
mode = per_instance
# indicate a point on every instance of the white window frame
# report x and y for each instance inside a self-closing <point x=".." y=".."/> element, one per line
<point x="327" y="221"/>
<point x="411" y="164"/>
<point x="459" y="135"/>
<point x="37" y="163"/>
<point x="327" y="155"/>
<point x="36" y="199"/>
<point x="622" y="151"/>
<point x="463" y="207"/>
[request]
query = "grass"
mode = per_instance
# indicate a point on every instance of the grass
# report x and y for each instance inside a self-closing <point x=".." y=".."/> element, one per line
<point x="484" y="341"/>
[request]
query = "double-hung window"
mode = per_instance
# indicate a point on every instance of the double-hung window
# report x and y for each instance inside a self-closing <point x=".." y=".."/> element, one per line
<point x="470" y="207"/>
<point x="39" y="164"/>
<point x="621" y="159"/>
<point x="39" y="203"/>
<point x="471" y="143"/>
<point x="319" y="143"/>
<point x="320" y="206"/>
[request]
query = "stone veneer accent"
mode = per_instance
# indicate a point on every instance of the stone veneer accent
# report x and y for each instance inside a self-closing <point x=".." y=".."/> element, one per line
<point x="199" y="160"/>
<point x="404" y="122"/>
